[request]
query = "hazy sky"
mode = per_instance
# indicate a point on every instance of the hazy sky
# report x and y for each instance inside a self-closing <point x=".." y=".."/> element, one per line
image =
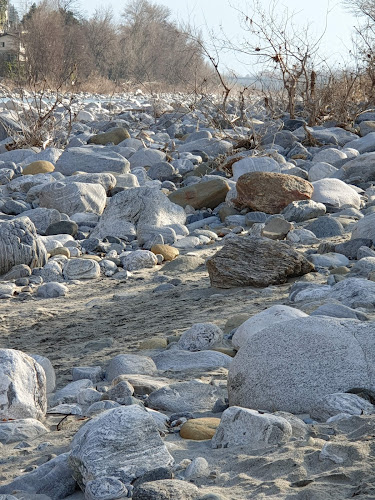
<point x="218" y="14"/>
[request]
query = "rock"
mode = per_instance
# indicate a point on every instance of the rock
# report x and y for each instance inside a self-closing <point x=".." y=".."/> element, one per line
<point x="302" y="236"/>
<point x="339" y="311"/>
<point x="54" y="479"/>
<point x="46" y="364"/>
<point x="276" y="228"/>
<point x="330" y="260"/>
<point x="326" y="227"/>
<point x="22" y="386"/>
<point x="139" y="259"/>
<point x="62" y="227"/>
<point x="321" y="170"/>
<point x="365" y="228"/>
<point x="137" y="207"/>
<point x="299" y="211"/>
<point x="184" y="360"/>
<point x="20" y="429"/>
<point x="81" y="269"/>
<point x="19" y="244"/>
<point x="197" y="468"/>
<point x="320" y="356"/>
<point x="166" y="489"/>
<point x="42" y="217"/>
<point x="364" y="267"/>
<point x="332" y="135"/>
<point x="169" y="253"/>
<point x="114" y="135"/>
<point x="123" y="443"/>
<point x="364" y="144"/>
<point x="354" y="292"/>
<point x="350" y="248"/>
<point x="254" y="164"/>
<point x="199" y="429"/>
<point x="38" y="167"/>
<point x="93" y="373"/>
<point x="243" y="427"/>
<point x="299" y="429"/>
<point x="192" y="396"/>
<point x="336" y="193"/>
<point x="105" y="488"/>
<point x="18" y="271"/>
<point x="212" y="147"/>
<point x="91" y="159"/>
<point x="208" y="194"/>
<point x="332" y="156"/>
<point x="107" y="180"/>
<point x="271" y="316"/>
<point x="251" y="261"/>
<point x="101" y="406"/>
<point x="358" y="170"/>
<point x="200" y="337"/>
<point x="69" y="393"/>
<point x="162" y="171"/>
<point x="129" y="363"/>
<point x="187" y="242"/>
<point x="72" y="197"/>
<point x="146" y="158"/>
<point x="270" y="192"/>
<point x="51" y="290"/>
<point x="183" y="264"/>
<point x="341" y="402"/>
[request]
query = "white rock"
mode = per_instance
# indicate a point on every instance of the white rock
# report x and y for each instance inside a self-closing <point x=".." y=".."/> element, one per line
<point x="200" y="337"/>
<point x="22" y="386"/>
<point x="146" y="158"/>
<point x="69" y="393"/>
<point x="49" y="371"/>
<point x="51" y="290"/>
<point x="254" y="164"/>
<point x="243" y="427"/>
<point x="20" y="429"/>
<point x="321" y="170"/>
<point x="139" y="259"/>
<point x="79" y="269"/>
<point x="341" y="402"/>
<point x="197" y="468"/>
<point x="335" y="192"/>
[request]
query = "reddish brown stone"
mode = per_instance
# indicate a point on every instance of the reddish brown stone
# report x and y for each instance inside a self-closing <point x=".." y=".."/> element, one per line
<point x="270" y="192"/>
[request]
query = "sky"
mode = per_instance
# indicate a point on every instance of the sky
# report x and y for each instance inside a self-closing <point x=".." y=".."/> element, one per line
<point x="219" y="16"/>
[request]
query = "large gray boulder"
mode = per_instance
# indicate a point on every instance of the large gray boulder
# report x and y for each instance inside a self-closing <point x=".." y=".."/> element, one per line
<point x="137" y="207"/>
<point x="249" y="261"/>
<point x="91" y="159"/>
<point x="291" y="367"/>
<point x="21" y="429"/>
<point x="359" y="169"/>
<point x="123" y="443"/>
<point x="22" y="386"/>
<point x="354" y="292"/>
<point x="73" y="197"/>
<point x="19" y="244"/>
<point x="336" y="193"/>
<point x="42" y="217"/>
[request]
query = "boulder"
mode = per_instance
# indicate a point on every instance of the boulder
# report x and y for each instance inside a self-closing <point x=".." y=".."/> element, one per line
<point x="336" y="193"/>
<point x="72" y="197"/>
<point x="271" y="316"/>
<point x="137" y="207"/>
<point x="365" y="228"/>
<point x="92" y="159"/>
<point x="250" y="428"/>
<point x="320" y="356"/>
<point x="200" y="337"/>
<point x="166" y="489"/>
<point x="22" y="386"/>
<point x="208" y="194"/>
<point x="79" y="269"/>
<point x="19" y="244"/>
<point x="123" y="443"/>
<point x="21" y="429"/>
<point x="115" y="135"/>
<point x="341" y="402"/>
<point x="270" y="192"/>
<point x="252" y="261"/>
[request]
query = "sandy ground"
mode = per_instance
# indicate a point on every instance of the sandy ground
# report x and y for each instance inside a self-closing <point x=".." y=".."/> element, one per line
<point x="100" y="319"/>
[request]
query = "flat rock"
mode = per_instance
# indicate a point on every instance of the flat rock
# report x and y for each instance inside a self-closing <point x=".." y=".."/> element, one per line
<point x="270" y="192"/>
<point x="78" y="269"/>
<point x="252" y="261"/>
<point x="299" y="211"/>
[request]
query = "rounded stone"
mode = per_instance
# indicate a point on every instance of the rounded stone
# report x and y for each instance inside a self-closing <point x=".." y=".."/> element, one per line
<point x="169" y="253"/>
<point x="200" y="429"/>
<point x="38" y="167"/>
<point x="60" y="251"/>
<point x="77" y="269"/>
<point x="62" y="227"/>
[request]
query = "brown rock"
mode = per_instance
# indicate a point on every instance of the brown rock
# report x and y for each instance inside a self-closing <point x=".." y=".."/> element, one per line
<point x="38" y="167"/>
<point x="203" y="194"/>
<point x="115" y="135"/>
<point x="270" y="192"/>
<point x="199" y="429"/>
<point x="169" y="253"/>
<point x="259" y="262"/>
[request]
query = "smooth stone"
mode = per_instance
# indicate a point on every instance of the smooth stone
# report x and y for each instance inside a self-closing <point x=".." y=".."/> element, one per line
<point x="38" y="167"/>
<point x="354" y="292"/>
<point x="49" y="371"/>
<point x="276" y="228"/>
<point x="199" y="429"/>
<point x="130" y="364"/>
<point x="341" y="402"/>
<point x="207" y="194"/>
<point x="114" y="135"/>
<point x="62" y="227"/>
<point x="168" y="252"/>
<point x="91" y="159"/>
<point x="336" y="193"/>
<point x="105" y="488"/>
<point x="350" y="248"/>
<point x="139" y="259"/>
<point x="51" y="290"/>
<point x="78" y="269"/>
<point x="20" y="429"/>
<point x="185" y="360"/>
<point x="365" y="228"/>
<point x="200" y="336"/>
<point x="69" y="393"/>
<point x="300" y="211"/>
<point x="254" y="164"/>
<point x="325" y="227"/>
<point x="339" y="311"/>
<point x="329" y="260"/>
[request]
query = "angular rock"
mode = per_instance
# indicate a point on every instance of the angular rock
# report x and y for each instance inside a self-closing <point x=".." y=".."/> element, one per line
<point x="72" y="197"/>
<point x="247" y="261"/>
<point x="207" y="194"/>
<point x="320" y="356"/>
<point x="69" y="393"/>
<point x="243" y="427"/>
<point x="22" y="386"/>
<point x="350" y="248"/>
<point x="123" y="443"/>
<point x="271" y="316"/>
<point x="19" y="244"/>
<point x="200" y="337"/>
<point x="92" y="159"/>
<point x="276" y="228"/>
<point x="191" y="396"/>
<point x="53" y="479"/>
<point x="354" y="292"/>
<point x="270" y="192"/>
<point x="137" y="207"/>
